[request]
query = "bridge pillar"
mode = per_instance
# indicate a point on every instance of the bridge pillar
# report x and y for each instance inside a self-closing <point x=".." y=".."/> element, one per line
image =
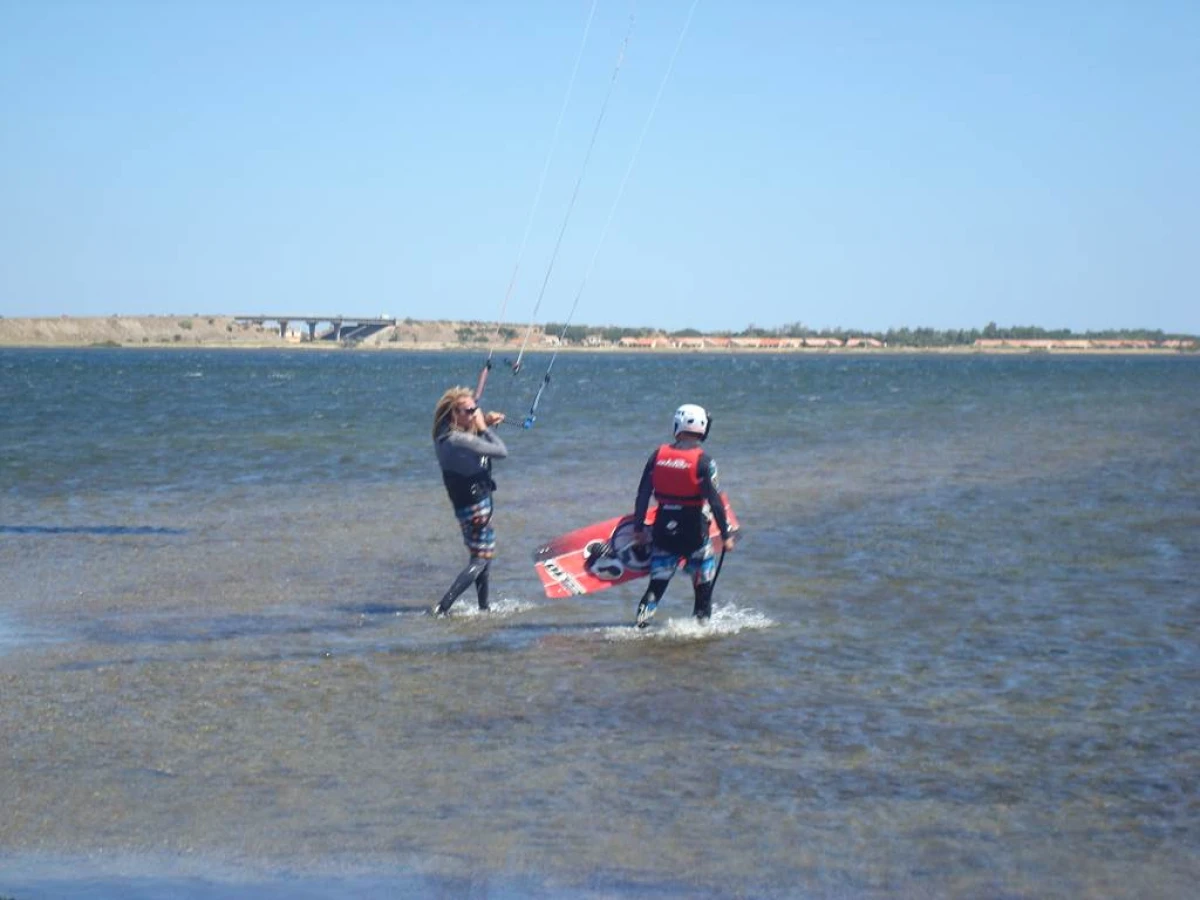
<point x="337" y="330"/>
<point x="312" y="330"/>
<point x="283" y="323"/>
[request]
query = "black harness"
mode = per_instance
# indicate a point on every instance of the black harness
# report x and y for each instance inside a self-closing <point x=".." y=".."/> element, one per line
<point x="467" y="490"/>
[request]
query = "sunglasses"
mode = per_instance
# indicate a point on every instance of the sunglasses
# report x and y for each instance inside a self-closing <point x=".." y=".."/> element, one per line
<point x="469" y="410"/>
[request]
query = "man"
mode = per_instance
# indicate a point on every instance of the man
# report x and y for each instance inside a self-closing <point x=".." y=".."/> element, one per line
<point x="683" y="479"/>
<point x="466" y="445"/>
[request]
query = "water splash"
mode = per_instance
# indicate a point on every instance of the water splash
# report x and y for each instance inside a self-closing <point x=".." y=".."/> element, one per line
<point x="729" y="619"/>
<point x="505" y="607"/>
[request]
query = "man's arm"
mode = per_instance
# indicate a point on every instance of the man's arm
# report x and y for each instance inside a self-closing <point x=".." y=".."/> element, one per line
<point x="486" y="443"/>
<point x="712" y="492"/>
<point x="642" y="503"/>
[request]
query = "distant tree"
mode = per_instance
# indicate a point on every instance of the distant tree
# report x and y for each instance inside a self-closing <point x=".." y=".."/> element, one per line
<point x="612" y="334"/>
<point x="571" y="334"/>
<point x="925" y="337"/>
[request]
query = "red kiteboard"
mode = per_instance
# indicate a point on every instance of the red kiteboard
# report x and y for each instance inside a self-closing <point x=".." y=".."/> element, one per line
<point x="597" y="556"/>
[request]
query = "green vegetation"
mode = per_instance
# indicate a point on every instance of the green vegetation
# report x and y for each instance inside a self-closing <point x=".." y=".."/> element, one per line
<point x="609" y="333"/>
<point x="478" y="333"/>
<point x="893" y="337"/>
<point x="572" y="334"/>
<point x="952" y="337"/>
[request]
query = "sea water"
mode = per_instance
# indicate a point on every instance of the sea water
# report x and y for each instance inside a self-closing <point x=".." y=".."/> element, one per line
<point x="953" y="655"/>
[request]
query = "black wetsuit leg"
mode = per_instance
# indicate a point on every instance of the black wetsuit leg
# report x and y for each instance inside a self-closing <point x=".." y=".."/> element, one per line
<point x="649" y="602"/>
<point x="702" y="609"/>
<point x="656" y="590"/>
<point x="464" y="580"/>
<point x="481" y="586"/>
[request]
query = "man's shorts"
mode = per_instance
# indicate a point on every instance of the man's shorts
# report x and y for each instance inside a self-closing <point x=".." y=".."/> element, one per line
<point x="701" y="565"/>
<point x="476" y="524"/>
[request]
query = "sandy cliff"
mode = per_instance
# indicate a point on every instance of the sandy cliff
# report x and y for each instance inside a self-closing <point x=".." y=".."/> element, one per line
<point x="224" y="331"/>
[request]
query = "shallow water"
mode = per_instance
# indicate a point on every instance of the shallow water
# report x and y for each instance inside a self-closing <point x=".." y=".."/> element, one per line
<point x="953" y="656"/>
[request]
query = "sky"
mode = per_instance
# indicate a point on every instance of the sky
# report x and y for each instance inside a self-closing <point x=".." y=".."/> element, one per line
<point x="862" y="165"/>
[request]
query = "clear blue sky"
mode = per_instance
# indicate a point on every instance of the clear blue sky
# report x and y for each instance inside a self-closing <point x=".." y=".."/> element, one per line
<point x="865" y="165"/>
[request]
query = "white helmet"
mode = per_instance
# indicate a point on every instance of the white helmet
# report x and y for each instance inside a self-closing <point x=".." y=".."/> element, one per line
<point x="692" y="418"/>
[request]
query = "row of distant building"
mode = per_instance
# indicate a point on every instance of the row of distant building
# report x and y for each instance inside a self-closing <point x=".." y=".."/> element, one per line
<point x="798" y="343"/>
<point x="698" y="343"/>
<point x="1086" y="344"/>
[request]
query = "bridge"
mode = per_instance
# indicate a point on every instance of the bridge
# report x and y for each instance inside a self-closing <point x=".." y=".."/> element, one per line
<point x="342" y="328"/>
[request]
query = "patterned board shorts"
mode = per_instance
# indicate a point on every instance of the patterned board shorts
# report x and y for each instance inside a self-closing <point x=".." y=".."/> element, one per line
<point x="476" y="524"/>
<point x="701" y="565"/>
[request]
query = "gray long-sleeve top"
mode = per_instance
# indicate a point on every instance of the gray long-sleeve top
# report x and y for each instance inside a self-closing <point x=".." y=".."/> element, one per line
<point x="467" y="453"/>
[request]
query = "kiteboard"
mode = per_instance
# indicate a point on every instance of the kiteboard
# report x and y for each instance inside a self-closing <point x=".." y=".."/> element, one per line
<point x="603" y="554"/>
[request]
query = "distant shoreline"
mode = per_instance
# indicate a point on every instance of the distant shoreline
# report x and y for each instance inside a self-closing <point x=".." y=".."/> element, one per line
<point x="228" y="332"/>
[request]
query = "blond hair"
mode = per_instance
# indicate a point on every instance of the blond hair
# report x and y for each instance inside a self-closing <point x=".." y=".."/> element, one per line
<point x="442" y="418"/>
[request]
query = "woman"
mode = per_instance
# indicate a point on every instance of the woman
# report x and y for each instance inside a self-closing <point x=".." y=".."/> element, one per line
<point x="466" y="446"/>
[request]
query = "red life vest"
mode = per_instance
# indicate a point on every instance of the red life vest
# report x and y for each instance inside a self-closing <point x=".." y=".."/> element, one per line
<point x="676" y="476"/>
